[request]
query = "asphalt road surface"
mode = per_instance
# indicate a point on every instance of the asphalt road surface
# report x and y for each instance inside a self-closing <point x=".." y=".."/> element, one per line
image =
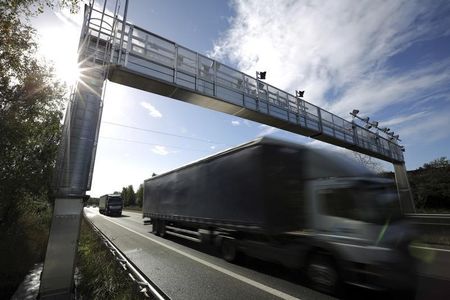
<point x="187" y="270"/>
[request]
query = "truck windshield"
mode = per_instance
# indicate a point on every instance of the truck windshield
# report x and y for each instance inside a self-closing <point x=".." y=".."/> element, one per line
<point x="368" y="203"/>
<point x="115" y="200"/>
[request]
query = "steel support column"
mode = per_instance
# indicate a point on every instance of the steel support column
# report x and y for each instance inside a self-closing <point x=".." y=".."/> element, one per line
<point x="57" y="275"/>
<point x="403" y="188"/>
<point x="72" y="180"/>
<point x="74" y="167"/>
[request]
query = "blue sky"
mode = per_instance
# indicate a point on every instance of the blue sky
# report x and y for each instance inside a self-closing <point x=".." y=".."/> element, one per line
<point x="389" y="59"/>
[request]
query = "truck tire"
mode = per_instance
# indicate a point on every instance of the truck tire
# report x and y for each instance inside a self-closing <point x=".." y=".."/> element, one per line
<point x="322" y="274"/>
<point x="228" y="249"/>
<point x="161" y="229"/>
<point x="154" y="226"/>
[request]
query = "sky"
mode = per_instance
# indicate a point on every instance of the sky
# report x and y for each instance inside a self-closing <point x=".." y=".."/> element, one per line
<point x="389" y="59"/>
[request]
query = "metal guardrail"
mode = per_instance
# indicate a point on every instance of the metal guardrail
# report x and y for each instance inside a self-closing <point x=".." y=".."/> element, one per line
<point x="433" y="229"/>
<point x="429" y="219"/>
<point x="145" y="286"/>
<point x="436" y="219"/>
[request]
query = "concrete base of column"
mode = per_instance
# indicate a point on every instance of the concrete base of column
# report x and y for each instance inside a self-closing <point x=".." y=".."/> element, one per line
<point x="57" y="274"/>
<point x="404" y="190"/>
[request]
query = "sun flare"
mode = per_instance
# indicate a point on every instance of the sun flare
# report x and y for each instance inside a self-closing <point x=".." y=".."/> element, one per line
<point x="58" y="45"/>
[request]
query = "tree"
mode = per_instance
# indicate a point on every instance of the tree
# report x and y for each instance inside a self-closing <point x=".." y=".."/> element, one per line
<point x="441" y="162"/>
<point x="124" y="195"/>
<point x="128" y="196"/>
<point x="140" y="195"/>
<point x="30" y="113"/>
<point x="31" y="102"/>
<point x="26" y="8"/>
<point x="368" y="162"/>
<point x="132" y="195"/>
<point x="430" y="185"/>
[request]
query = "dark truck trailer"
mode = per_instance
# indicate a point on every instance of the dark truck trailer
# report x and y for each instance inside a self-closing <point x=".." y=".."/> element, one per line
<point x="258" y="186"/>
<point x="281" y="202"/>
<point x="110" y="205"/>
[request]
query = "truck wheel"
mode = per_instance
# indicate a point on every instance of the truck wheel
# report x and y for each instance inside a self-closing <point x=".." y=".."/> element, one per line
<point x="155" y="226"/>
<point x="161" y="228"/>
<point x="228" y="249"/>
<point x="323" y="275"/>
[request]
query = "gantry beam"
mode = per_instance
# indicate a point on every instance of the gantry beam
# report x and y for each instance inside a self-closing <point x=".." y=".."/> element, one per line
<point x="148" y="62"/>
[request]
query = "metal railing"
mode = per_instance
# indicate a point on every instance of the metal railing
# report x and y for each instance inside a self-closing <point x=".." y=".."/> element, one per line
<point x="430" y="219"/>
<point x="145" y="52"/>
<point x="433" y="228"/>
<point x="145" y="286"/>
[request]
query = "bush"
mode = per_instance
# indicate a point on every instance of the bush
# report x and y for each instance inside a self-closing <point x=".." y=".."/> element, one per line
<point x="23" y="244"/>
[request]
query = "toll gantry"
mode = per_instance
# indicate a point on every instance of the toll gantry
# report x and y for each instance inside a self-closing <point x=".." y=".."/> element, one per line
<point x="112" y="48"/>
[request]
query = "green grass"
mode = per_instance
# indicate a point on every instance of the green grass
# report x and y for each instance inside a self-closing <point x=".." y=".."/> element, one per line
<point x="133" y="208"/>
<point x="101" y="275"/>
<point x="425" y="210"/>
<point x="435" y="235"/>
<point x="440" y="235"/>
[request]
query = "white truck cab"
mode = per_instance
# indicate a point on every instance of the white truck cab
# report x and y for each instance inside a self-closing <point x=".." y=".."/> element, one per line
<point x="364" y="239"/>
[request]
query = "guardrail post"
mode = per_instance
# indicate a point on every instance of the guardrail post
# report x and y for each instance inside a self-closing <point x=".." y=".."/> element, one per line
<point x="124" y="22"/>
<point x="129" y="42"/>
<point x="175" y="64"/>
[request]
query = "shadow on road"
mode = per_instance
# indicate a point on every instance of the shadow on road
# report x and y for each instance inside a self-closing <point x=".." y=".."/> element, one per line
<point x="427" y="288"/>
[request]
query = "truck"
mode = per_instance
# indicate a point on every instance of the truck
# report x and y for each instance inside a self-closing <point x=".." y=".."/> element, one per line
<point x="286" y="203"/>
<point x="110" y="204"/>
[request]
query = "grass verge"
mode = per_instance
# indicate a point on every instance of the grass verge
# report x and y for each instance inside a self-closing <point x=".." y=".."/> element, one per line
<point x="436" y="236"/>
<point x="101" y="276"/>
<point x="133" y="208"/>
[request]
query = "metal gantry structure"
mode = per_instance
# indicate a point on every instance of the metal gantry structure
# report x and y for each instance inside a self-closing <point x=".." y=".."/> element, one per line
<point x="112" y="48"/>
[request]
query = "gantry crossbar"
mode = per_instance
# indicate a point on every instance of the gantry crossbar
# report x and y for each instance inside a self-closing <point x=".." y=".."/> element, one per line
<point x="146" y="61"/>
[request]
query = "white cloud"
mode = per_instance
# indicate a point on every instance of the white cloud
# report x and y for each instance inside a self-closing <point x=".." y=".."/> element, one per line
<point x="235" y="123"/>
<point x="339" y="51"/>
<point x="247" y="123"/>
<point x="403" y="119"/>
<point x="160" y="150"/>
<point x="322" y="145"/>
<point x="74" y="20"/>
<point x="212" y="147"/>
<point x="429" y="128"/>
<point x="151" y="109"/>
<point x="379" y="92"/>
<point x="267" y="130"/>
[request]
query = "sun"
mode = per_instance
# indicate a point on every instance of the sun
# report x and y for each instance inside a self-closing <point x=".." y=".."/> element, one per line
<point x="69" y="72"/>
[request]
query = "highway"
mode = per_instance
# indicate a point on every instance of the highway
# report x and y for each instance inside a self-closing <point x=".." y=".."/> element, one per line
<point x="187" y="270"/>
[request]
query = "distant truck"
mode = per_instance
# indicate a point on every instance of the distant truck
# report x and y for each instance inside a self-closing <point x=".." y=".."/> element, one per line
<point x="286" y="203"/>
<point x="111" y="205"/>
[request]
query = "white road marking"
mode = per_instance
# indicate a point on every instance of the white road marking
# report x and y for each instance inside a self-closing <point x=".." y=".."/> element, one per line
<point x="430" y="248"/>
<point x="253" y="283"/>
<point x="132" y="251"/>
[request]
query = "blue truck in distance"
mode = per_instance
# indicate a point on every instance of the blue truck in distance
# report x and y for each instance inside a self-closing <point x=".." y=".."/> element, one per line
<point x="111" y="205"/>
